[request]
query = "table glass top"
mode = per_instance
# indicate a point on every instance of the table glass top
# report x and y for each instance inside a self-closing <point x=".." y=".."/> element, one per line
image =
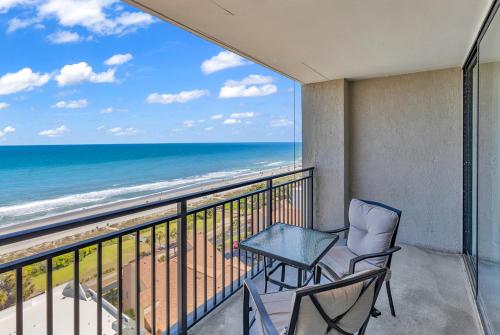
<point x="293" y="245"/>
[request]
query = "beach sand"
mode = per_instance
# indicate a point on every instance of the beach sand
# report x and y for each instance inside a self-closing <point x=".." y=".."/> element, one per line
<point x="24" y="245"/>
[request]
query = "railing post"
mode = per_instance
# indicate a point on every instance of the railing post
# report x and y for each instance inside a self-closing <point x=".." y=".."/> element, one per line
<point x="269" y="202"/>
<point x="182" y="267"/>
<point x="311" y="199"/>
<point x="49" y="308"/>
<point x="269" y="210"/>
<point x="19" y="301"/>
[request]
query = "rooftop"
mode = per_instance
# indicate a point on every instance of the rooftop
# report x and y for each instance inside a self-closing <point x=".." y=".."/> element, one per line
<point x="35" y="317"/>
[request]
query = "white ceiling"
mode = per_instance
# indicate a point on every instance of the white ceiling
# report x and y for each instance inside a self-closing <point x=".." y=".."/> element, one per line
<point x="318" y="40"/>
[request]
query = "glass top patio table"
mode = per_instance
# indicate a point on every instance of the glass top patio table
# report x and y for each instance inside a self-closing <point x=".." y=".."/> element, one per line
<point x="296" y="246"/>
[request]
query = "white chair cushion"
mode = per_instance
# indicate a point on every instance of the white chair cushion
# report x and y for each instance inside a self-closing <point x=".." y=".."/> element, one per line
<point x="371" y="230"/>
<point x="334" y="303"/>
<point x="354" y="319"/>
<point x="337" y="260"/>
<point x="279" y="308"/>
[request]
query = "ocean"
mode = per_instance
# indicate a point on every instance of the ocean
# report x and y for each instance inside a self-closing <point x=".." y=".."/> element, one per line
<point x="42" y="181"/>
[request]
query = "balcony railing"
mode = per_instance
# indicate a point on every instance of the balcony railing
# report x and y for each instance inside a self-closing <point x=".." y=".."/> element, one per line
<point x="159" y="276"/>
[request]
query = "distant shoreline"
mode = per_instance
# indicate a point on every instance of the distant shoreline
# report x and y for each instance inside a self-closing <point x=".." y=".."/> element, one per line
<point x="16" y="227"/>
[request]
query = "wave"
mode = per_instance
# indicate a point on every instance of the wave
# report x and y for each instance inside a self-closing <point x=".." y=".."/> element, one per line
<point x="69" y="203"/>
<point x="279" y="163"/>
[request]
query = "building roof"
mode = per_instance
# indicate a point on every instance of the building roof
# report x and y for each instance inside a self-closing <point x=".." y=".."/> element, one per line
<point x="34" y="316"/>
<point x="317" y="40"/>
<point x="161" y="279"/>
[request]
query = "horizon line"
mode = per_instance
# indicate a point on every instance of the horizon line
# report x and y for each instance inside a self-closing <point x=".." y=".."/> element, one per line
<point x="145" y="143"/>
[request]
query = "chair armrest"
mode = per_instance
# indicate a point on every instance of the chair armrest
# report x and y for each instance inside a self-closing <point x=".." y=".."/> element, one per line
<point x="360" y="258"/>
<point x="336" y="231"/>
<point x="250" y="291"/>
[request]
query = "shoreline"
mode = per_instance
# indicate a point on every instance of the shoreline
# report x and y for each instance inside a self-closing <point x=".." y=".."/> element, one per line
<point x="120" y="205"/>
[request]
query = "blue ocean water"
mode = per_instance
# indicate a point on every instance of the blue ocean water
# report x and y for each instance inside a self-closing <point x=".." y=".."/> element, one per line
<point x="41" y="181"/>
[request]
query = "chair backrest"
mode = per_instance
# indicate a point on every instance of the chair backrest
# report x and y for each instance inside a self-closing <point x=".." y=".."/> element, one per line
<point x="373" y="228"/>
<point x="339" y="308"/>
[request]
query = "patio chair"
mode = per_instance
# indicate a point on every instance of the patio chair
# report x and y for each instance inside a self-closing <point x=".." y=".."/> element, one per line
<point x="370" y="243"/>
<point x="336" y="308"/>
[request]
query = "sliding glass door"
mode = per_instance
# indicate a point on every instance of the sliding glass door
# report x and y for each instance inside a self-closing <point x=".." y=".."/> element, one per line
<point x="488" y="163"/>
<point x="482" y="171"/>
<point x="470" y="166"/>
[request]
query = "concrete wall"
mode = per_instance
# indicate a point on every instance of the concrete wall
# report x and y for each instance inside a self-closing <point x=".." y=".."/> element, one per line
<point x="404" y="148"/>
<point x="325" y="136"/>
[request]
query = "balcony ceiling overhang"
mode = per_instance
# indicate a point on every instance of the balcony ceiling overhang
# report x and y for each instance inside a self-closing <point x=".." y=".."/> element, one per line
<point x="318" y="40"/>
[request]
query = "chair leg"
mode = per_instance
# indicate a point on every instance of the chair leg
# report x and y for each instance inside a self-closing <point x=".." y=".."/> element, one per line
<point x="363" y="329"/>
<point x="282" y="276"/>
<point x="389" y="295"/>
<point x="317" y="275"/>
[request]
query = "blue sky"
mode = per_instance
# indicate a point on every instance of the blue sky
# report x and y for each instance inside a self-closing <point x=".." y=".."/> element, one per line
<point x="99" y="71"/>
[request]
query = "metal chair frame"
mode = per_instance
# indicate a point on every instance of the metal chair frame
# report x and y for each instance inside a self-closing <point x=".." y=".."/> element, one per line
<point x="250" y="292"/>
<point x="389" y="252"/>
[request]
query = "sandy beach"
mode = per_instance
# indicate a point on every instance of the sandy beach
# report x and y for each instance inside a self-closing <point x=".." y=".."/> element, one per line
<point x="24" y="245"/>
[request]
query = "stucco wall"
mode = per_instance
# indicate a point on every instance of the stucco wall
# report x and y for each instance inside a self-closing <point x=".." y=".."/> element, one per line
<point x="403" y="147"/>
<point x="406" y="150"/>
<point x="324" y="146"/>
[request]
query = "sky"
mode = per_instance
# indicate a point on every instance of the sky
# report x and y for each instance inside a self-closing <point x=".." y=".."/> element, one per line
<point x="100" y="71"/>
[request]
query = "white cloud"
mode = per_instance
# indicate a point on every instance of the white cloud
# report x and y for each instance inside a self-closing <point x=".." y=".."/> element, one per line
<point x="130" y="22"/>
<point x="62" y="37"/>
<point x="5" y="5"/>
<point x="93" y="15"/>
<point x="22" y="80"/>
<point x="253" y="79"/>
<point x="107" y="110"/>
<point x="16" y="23"/>
<point x="231" y="121"/>
<point x="281" y="122"/>
<point x="216" y="116"/>
<point x="118" y="131"/>
<point x="4" y="105"/>
<point x="182" y="97"/>
<point x="100" y="128"/>
<point x="73" y="104"/>
<point x="7" y="130"/>
<point x="119" y="59"/>
<point x="209" y="128"/>
<point x="81" y="72"/>
<point x="235" y="118"/>
<point x="252" y="86"/>
<point x="245" y="115"/>
<point x="56" y="132"/>
<point x="224" y="60"/>
<point x="188" y="123"/>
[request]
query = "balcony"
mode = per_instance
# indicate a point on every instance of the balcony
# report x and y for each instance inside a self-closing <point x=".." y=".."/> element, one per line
<point x="198" y="270"/>
<point x="390" y="99"/>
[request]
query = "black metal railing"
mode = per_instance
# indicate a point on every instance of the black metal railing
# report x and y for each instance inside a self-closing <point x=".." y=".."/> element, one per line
<point x="160" y="276"/>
